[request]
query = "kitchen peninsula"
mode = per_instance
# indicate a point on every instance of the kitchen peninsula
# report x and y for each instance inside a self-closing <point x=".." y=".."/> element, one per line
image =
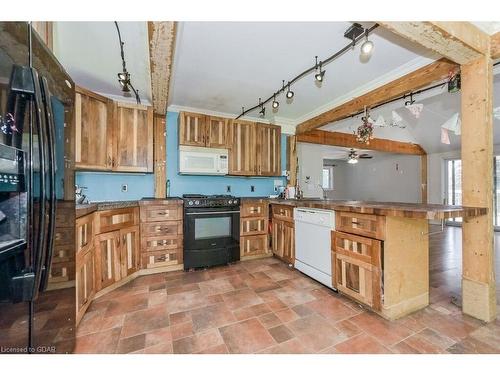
<point x="380" y="250"/>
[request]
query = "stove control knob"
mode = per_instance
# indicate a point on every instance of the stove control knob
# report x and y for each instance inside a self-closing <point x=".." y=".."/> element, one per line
<point x="190" y="203"/>
<point x="197" y="202"/>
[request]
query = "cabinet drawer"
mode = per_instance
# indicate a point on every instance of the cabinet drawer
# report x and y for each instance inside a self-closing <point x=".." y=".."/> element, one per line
<point x="254" y="209"/>
<point x="356" y="262"/>
<point x="162" y="258"/>
<point x="161" y="243"/>
<point x="120" y="218"/>
<point x="362" y="224"/>
<point x="161" y="213"/>
<point x="252" y="226"/>
<point x="61" y="272"/>
<point x="282" y="212"/>
<point x="161" y="228"/>
<point x="254" y="245"/>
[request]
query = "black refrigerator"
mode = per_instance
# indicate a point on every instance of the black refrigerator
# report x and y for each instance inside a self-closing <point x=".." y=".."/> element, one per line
<point x="37" y="301"/>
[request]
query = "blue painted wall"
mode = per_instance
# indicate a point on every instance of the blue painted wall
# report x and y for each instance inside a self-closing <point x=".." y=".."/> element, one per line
<point x="107" y="186"/>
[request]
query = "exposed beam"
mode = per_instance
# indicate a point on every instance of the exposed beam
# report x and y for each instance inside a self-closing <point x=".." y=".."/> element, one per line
<point x="461" y="42"/>
<point x="413" y="81"/>
<point x="322" y="137"/>
<point x="160" y="156"/>
<point x="161" y="54"/>
<point x="291" y="159"/>
<point x="478" y="260"/>
<point x="423" y="179"/>
<point x="495" y="46"/>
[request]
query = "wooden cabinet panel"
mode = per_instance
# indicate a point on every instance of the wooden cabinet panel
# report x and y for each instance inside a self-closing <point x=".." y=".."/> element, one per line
<point x="111" y="220"/>
<point x="192" y="129"/>
<point x="356" y="265"/>
<point x="160" y="213"/>
<point x="107" y="258"/>
<point x="268" y="146"/>
<point x="362" y="224"/>
<point x="252" y="226"/>
<point x="217" y="132"/>
<point x="254" y="245"/>
<point x="85" y="232"/>
<point x="283" y="240"/>
<point x="156" y="259"/>
<point x="242" y="155"/>
<point x="156" y="243"/>
<point x="85" y="281"/>
<point x="129" y="250"/>
<point x="254" y="208"/>
<point x="161" y="228"/>
<point x="92" y="131"/>
<point x="282" y="212"/>
<point x="133" y="138"/>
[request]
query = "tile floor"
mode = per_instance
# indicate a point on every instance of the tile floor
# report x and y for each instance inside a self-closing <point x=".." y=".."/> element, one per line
<point x="262" y="306"/>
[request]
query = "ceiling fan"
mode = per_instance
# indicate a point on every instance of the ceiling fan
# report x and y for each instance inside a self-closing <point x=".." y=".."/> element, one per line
<point x="353" y="157"/>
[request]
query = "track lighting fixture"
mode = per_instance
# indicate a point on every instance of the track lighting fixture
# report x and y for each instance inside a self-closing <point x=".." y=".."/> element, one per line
<point x="262" y="111"/>
<point x="289" y="93"/>
<point x="319" y="76"/>
<point x="367" y="46"/>
<point x="124" y="75"/>
<point x="275" y="104"/>
<point x="354" y="34"/>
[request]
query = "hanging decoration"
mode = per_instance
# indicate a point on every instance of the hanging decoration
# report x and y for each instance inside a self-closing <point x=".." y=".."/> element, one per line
<point x="380" y="121"/>
<point x="364" y="133"/>
<point x="445" y="138"/>
<point x="415" y="109"/>
<point x="496" y="113"/>
<point x="397" y="120"/>
<point x="453" y="124"/>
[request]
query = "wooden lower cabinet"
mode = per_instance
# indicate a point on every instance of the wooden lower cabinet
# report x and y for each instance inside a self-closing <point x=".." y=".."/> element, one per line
<point x="107" y="248"/>
<point x="254" y="245"/>
<point x="110" y="220"/>
<point x="357" y="270"/>
<point x="129" y="250"/>
<point x="85" y="281"/>
<point x="283" y="240"/>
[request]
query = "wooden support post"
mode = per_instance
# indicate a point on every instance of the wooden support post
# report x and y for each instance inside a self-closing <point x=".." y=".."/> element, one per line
<point x="423" y="179"/>
<point x="478" y="272"/>
<point x="160" y="156"/>
<point x="291" y="159"/>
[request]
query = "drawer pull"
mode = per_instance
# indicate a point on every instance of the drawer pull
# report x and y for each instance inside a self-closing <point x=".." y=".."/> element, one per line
<point x="162" y="258"/>
<point x="356" y="222"/>
<point x="162" y="213"/>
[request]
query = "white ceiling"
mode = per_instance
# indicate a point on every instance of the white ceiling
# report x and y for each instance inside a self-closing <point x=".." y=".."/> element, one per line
<point x="222" y="66"/>
<point x="488" y="27"/>
<point x="90" y="52"/>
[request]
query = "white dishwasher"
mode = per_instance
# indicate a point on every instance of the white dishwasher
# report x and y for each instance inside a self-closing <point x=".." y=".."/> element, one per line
<point x="313" y="228"/>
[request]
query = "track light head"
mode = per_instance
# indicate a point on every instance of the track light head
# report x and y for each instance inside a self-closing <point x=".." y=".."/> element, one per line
<point x="320" y="76"/>
<point x="275" y="104"/>
<point x="124" y="80"/>
<point x="289" y="94"/>
<point x="262" y="111"/>
<point x="367" y="46"/>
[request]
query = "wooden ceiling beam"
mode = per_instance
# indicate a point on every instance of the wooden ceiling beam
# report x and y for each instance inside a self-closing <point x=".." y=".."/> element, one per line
<point x="413" y="81"/>
<point x="322" y="137"/>
<point x="161" y="37"/>
<point x="460" y="42"/>
<point x="495" y="46"/>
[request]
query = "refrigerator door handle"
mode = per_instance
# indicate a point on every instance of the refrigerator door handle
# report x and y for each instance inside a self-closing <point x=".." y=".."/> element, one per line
<point x="49" y="116"/>
<point x="39" y="247"/>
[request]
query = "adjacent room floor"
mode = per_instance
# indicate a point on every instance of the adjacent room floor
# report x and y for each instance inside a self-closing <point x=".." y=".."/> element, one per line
<point x="262" y="306"/>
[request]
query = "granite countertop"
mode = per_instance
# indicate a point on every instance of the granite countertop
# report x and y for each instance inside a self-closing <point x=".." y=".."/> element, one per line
<point x="85" y="209"/>
<point x="409" y="210"/>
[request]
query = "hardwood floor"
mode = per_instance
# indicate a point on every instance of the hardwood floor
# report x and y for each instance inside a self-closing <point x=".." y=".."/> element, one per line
<point x="262" y="306"/>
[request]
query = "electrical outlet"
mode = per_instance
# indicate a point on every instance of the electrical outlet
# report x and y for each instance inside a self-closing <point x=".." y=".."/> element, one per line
<point x="228" y="188"/>
<point x="252" y="188"/>
<point x="124" y="188"/>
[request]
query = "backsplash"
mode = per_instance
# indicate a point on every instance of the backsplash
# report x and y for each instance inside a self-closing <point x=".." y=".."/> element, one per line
<point x="102" y="186"/>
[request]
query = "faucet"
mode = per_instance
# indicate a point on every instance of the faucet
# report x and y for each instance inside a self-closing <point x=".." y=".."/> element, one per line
<point x="79" y="196"/>
<point x="323" y="190"/>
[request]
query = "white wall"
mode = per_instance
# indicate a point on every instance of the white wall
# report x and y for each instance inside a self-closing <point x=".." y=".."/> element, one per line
<point x="386" y="177"/>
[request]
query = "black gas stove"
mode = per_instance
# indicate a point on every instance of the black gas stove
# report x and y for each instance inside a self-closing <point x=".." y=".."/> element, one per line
<point x="211" y="230"/>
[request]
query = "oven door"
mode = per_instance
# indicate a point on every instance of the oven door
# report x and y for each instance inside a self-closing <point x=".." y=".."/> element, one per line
<point x="206" y="228"/>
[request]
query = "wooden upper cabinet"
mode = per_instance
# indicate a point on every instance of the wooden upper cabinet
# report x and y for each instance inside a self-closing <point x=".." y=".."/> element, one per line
<point x="93" y="136"/>
<point x="133" y="138"/>
<point x="268" y="139"/>
<point x="192" y="129"/>
<point x="216" y="132"/>
<point x="242" y="156"/>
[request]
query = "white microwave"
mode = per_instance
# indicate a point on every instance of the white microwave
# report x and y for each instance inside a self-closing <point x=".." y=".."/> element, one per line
<point x="203" y="160"/>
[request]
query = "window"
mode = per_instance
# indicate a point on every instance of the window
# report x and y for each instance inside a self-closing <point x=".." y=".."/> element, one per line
<point x="327" y="177"/>
<point x="454" y="185"/>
